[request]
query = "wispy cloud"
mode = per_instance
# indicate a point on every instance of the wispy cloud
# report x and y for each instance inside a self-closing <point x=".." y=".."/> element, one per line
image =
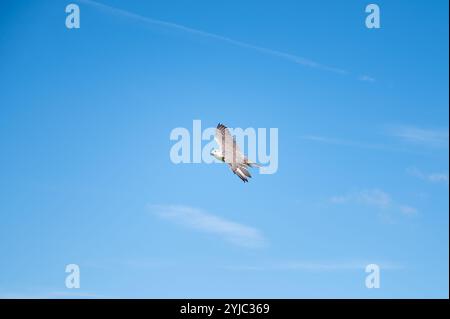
<point x="313" y="266"/>
<point x="355" y="144"/>
<point x="70" y="294"/>
<point x="373" y="197"/>
<point x="405" y="136"/>
<point x="202" y="221"/>
<point x="430" y="177"/>
<point x="178" y="27"/>
<point x="53" y="295"/>
<point x="420" y="136"/>
<point x="408" y="210"/>
<point x="342" y="142"/>
<point x="376" y="198"/>
<point x="366" y="78"/>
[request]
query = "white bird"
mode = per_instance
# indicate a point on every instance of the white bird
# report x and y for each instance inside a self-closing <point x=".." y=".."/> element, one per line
<point x="230" y="153"/>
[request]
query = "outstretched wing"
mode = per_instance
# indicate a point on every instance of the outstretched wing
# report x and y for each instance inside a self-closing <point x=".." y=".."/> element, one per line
<point x="228" y="146"/>
<point x="241" y="171"/>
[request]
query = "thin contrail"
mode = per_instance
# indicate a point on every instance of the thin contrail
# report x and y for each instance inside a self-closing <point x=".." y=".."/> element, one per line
<point x="290" y="57"/>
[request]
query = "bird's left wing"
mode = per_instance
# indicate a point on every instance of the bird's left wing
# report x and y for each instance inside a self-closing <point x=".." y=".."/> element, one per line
<point x="227" y="143"/>
<point x="241" y="171"/>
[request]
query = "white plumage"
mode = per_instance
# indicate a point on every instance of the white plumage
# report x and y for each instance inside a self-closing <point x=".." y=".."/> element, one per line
<point x="230" y="153"/>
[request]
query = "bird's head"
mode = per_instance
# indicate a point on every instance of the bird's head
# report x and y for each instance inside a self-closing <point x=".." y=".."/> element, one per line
<point x="216" y="153"/>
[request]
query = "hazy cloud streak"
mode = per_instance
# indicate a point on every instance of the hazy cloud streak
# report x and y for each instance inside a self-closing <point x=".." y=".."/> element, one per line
<point x="313" y="266"/>
<point x="290" y="57"/>
<point x="202" y="221"/>
<point x="344" y="142"/>
<point x="420" y="136"/>
<point x="375" y="198"/>
<point x="430" y="177"/>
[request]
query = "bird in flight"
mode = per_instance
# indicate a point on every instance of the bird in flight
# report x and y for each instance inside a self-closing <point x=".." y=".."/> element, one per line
<point x="230" y="153"/>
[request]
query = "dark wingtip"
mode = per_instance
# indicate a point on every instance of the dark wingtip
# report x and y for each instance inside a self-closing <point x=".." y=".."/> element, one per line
<point x="245" y="180"/>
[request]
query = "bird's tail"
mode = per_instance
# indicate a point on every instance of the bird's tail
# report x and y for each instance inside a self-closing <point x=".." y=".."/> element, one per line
<point x="252" y="164"/>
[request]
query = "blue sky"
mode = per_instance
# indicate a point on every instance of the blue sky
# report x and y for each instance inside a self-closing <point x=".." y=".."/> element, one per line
<point x="86" y="178"/>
